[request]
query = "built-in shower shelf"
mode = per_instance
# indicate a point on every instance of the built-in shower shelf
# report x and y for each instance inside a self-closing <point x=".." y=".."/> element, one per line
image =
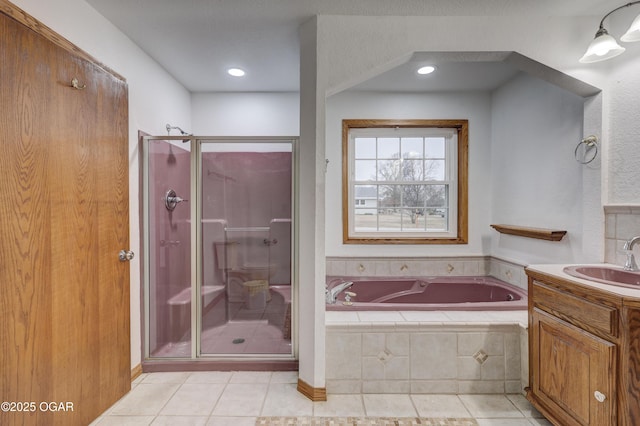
<point x="537" y="233"/>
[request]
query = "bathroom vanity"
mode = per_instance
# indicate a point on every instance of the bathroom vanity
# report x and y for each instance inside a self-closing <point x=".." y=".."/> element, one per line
<point x="584" y="349"/>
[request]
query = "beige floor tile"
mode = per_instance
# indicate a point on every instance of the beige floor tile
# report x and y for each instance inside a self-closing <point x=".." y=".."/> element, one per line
<point x="251" y="377"/>
<point x="283" y="399"/>
<point x="339" y="406"/>
<point x="240" y="398"/>
<point x="503" y="422"/>
<point x="439" y="406"/>
<point x="139" y="379"/>
<point x="540" y="422"/>
<point x="209" y="377"/>
<point x="231" y="421"/>
<point x="193" y="400"/>
<point x="236" y="399"/>
<point x="284" y="377"/>
<point x="145" y="399"/>
<point x="525" y="406"/>
<point x="172" y="377"/>
<point x="126" y="421"/>
<point x="490" y="406"/>
<point x="180" y="421"/>
<point x="389" y="405"/>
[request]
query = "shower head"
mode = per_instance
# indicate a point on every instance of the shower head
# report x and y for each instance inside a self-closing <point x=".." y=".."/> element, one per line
<point x="169" y="128"/>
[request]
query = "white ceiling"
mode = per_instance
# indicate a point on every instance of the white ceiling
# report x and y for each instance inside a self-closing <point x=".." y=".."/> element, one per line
<point x="448" y="77"/>
<point x="197" y="40"/>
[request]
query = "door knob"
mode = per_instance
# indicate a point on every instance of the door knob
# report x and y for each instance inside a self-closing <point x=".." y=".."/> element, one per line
<point x="125" y="255"/>
<point x="600" y="397"/>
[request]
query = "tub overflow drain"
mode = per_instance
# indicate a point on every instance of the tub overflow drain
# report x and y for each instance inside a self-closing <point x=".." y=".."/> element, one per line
<point x="238" y="341"/>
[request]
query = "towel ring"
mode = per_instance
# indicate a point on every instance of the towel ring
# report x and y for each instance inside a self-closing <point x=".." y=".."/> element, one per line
<point x="588" y="142"/>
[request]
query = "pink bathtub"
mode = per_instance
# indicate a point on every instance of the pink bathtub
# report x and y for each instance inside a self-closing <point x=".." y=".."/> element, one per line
<point x="428" y="294"/>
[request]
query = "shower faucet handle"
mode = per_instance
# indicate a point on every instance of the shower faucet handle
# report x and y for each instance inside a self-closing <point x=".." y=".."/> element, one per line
<point x="171" y="200"/>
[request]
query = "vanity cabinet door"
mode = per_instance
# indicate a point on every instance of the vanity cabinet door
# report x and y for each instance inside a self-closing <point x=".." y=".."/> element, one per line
<point x="574" y="372"/>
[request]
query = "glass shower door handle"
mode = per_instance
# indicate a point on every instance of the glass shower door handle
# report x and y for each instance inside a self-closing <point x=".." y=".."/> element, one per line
<point x="125" y="255"/>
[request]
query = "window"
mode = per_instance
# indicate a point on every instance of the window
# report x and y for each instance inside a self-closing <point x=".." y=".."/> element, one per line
<point x="405" y="181"/>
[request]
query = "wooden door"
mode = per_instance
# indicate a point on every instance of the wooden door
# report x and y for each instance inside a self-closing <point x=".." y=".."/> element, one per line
<point x="64" y="294"/>
<point x="574" y="372"/>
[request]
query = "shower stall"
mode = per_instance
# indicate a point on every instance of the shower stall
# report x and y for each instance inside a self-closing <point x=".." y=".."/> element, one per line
<point x="218" y="248"/>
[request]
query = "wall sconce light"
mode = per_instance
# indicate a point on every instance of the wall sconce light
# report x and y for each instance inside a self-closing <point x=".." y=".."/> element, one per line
<point x="604" y="46"/>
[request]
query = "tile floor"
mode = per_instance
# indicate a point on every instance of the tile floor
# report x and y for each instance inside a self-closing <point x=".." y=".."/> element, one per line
<point x="237" y="398"/>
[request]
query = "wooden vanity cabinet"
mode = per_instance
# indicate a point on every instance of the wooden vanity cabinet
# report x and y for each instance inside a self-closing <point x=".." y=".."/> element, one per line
<point x="584" y="353"/>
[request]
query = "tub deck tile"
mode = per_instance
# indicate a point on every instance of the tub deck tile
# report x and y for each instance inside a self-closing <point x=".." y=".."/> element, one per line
<point x="380" y="316"/>
<point x="341" y="317"/>
<point x="371" y="318"/>
<point x="424" y="316"/>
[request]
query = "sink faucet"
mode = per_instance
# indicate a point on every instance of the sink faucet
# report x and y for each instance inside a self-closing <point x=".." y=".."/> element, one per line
<point x="332" y="294"/>
<point x="630" y="264"/>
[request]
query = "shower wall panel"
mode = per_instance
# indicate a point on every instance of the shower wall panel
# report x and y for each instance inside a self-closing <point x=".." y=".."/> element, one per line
<point x="246" y="190"/>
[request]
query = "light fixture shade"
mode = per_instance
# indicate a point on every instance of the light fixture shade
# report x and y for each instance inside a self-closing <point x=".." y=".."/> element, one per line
<point x="633" y="33"/>
<point x="603" y="47"/>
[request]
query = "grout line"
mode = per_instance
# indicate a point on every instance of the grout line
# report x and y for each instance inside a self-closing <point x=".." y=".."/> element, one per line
<point x="173" y="394"/>
<point x="465" y="407"/>
<point x="224" y="387"/>
<point x="414" y="404"/>
<point x="364" y="407"/>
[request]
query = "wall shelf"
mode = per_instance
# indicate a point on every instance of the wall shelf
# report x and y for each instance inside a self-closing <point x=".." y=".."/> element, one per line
<point x="537" y="233"/>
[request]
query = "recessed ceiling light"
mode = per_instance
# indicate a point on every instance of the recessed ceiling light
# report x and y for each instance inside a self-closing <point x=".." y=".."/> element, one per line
<point x="426" y="70"/>
<point x="236" y="72"/>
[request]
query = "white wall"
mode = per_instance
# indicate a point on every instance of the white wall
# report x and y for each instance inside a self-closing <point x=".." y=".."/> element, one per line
<point x="311" y="214"/>
<point x="473" y="106"/>
<point x="155" y="99"/>
<point x="351" y="49"/>
<point x="246" y="114"/>
<point x="624" y="136"/>
<point x="536" y="180"/>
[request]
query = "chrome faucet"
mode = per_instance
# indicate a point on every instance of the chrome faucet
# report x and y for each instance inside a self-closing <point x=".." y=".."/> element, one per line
<point x="630" y="264"/>
<point x="331" y="295"/>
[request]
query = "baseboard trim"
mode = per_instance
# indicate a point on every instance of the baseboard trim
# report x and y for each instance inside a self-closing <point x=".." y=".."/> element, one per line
<point x="314" y="394"/>
<point x="136" y="372"/>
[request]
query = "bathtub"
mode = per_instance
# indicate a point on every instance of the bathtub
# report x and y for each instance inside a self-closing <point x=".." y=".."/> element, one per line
<point x="428" y="294"/>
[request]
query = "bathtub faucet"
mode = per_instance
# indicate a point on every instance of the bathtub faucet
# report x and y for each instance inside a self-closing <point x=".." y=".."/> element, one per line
<point x="332" y="294"/>
<point x="630" y="264"/>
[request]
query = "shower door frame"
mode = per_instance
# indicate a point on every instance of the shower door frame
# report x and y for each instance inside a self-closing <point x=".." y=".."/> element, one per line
<point x="196" y="257"/>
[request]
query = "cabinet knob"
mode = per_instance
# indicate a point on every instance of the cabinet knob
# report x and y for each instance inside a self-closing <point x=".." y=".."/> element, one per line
<point x="599" y="396"/>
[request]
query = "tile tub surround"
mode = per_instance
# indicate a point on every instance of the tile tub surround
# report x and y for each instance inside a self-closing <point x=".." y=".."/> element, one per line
<point x="505" y="270"/>
<point x="621" y="224"/>
<point x="426" y="352"/>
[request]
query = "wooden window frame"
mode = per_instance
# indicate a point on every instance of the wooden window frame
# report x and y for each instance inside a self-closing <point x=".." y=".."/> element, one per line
<point x="462" y="129"/>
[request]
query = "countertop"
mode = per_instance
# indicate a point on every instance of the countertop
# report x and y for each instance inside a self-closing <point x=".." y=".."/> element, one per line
<point x="557" y="270"/>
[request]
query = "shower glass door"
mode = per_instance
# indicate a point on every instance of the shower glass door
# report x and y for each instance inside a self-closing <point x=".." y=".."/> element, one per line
<point x="168" y="323"/>
<point x="217" y="244"/>
<point x="245" y="196"/>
